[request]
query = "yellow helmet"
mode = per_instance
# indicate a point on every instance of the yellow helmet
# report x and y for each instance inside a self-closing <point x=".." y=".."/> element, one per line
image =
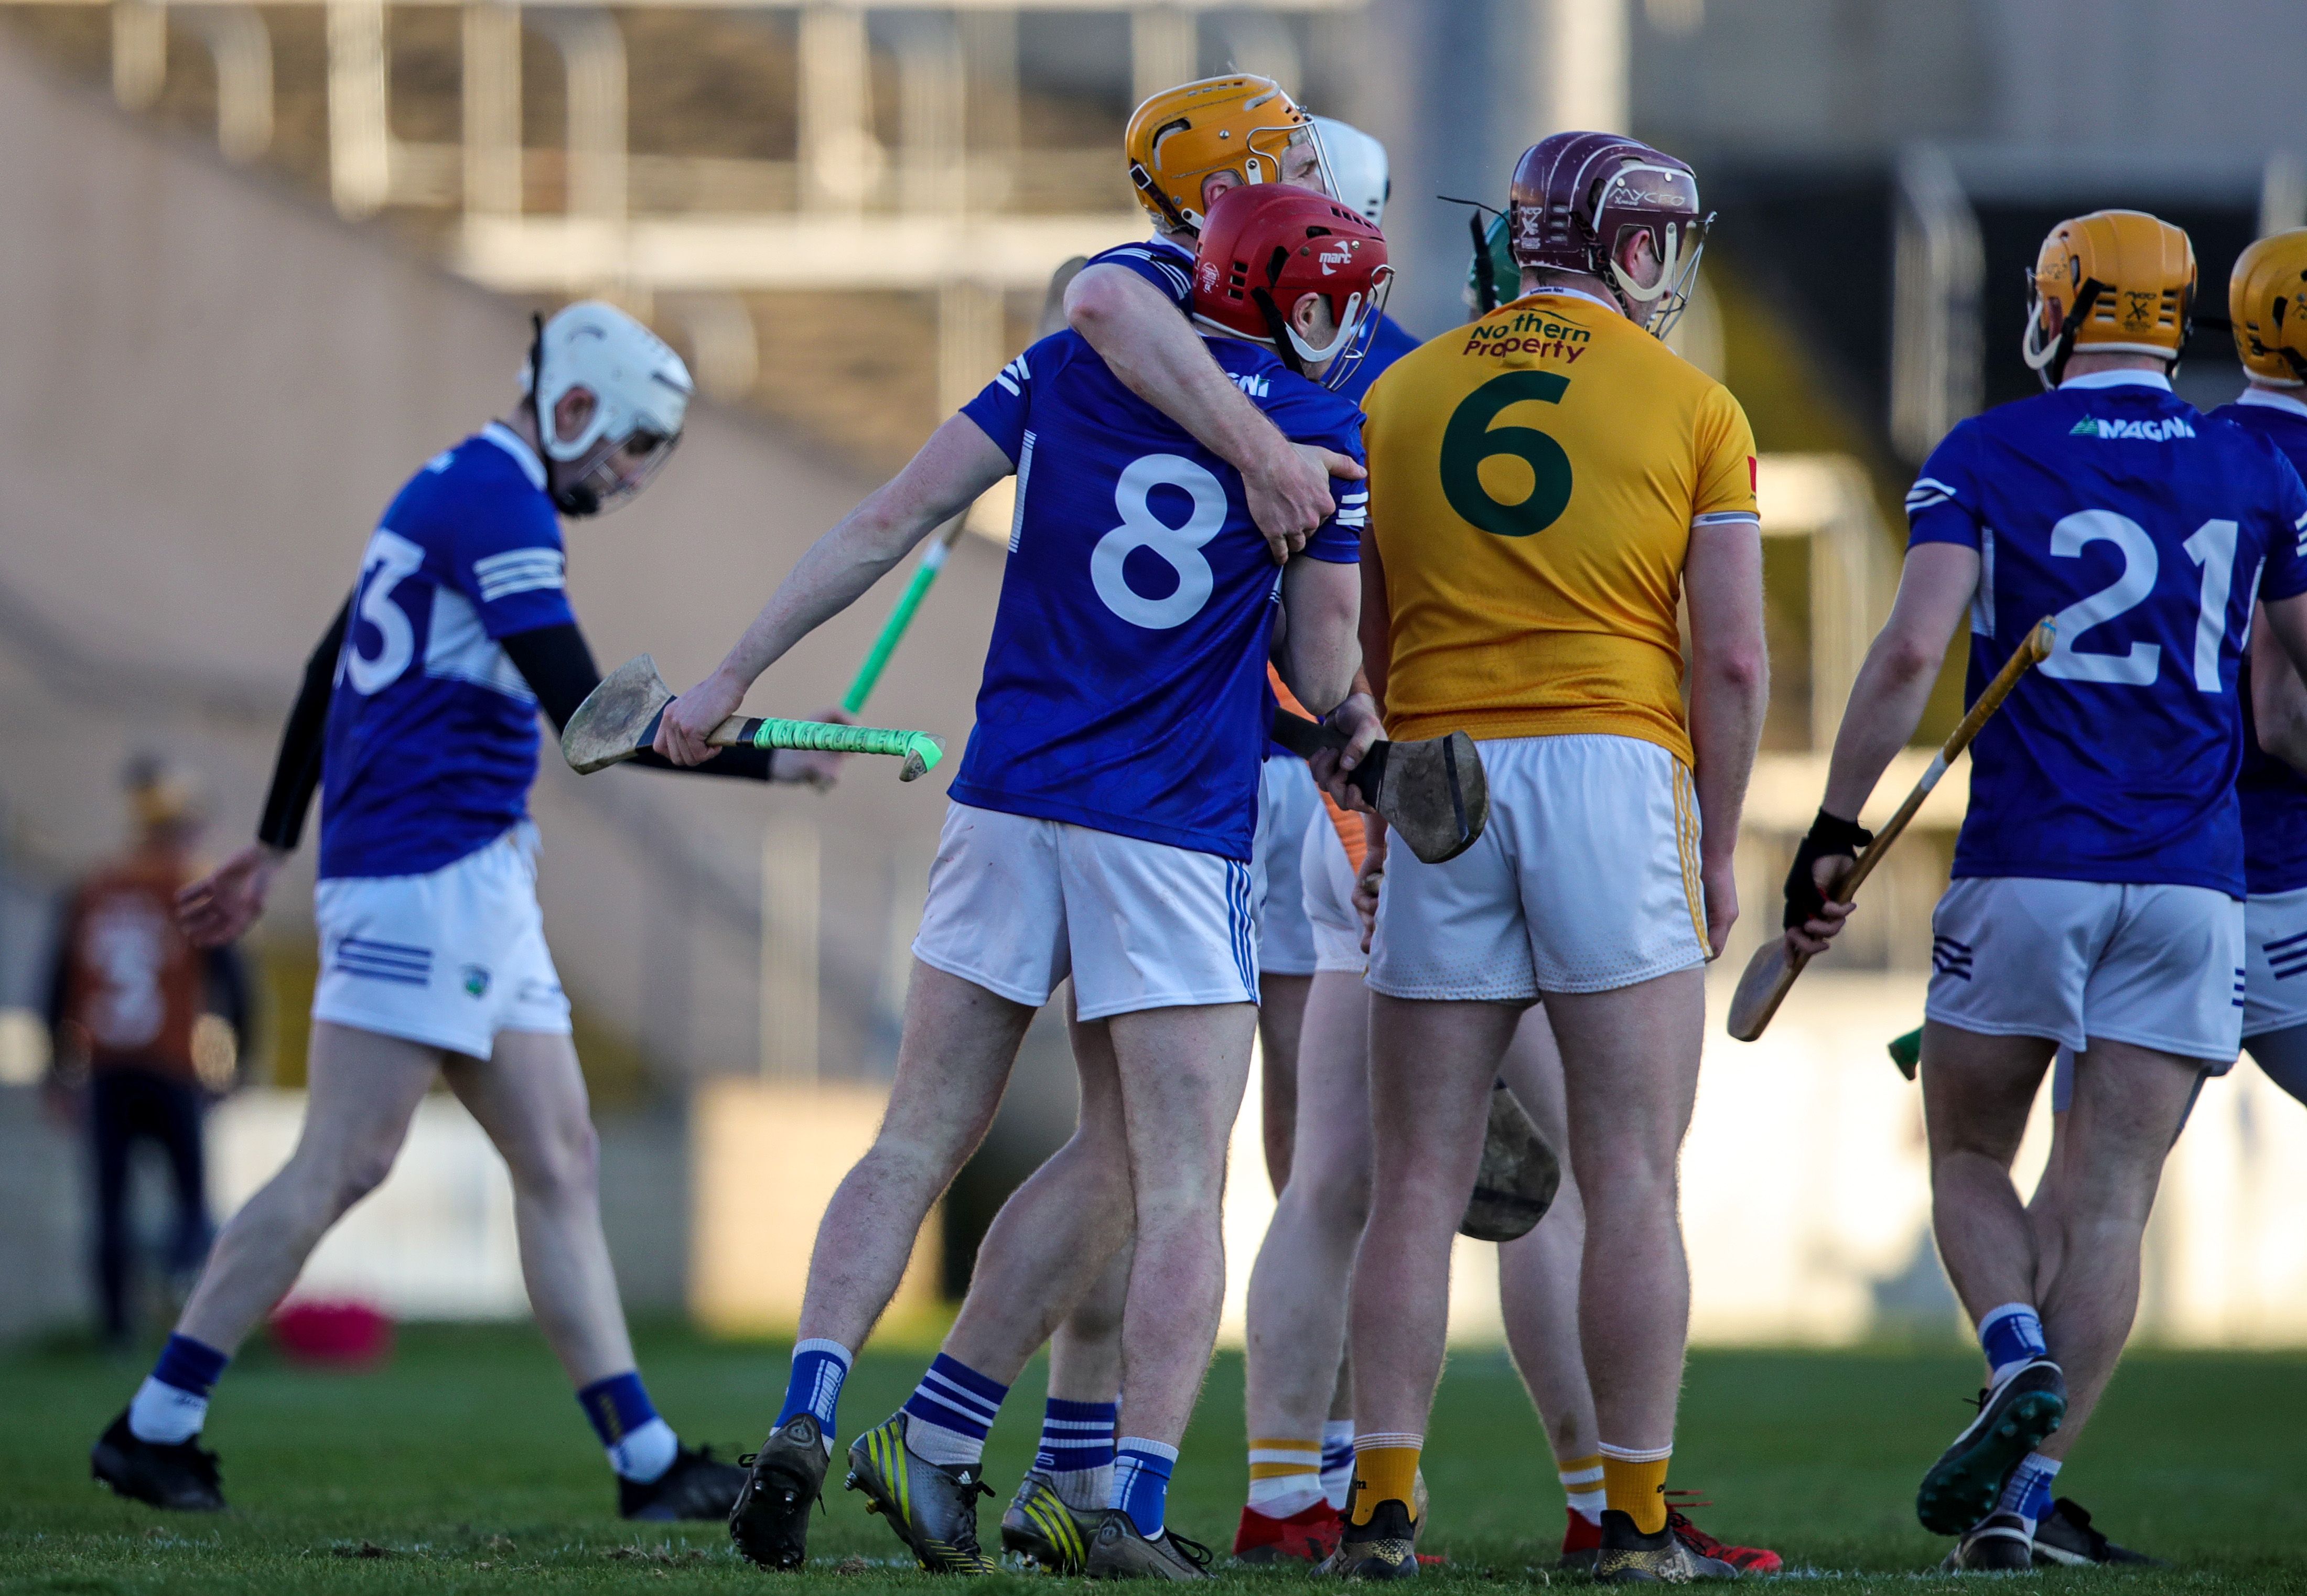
<point x="2115" y="282"/>
<point x="2267" y="298"/>
<point x="1241" y="124"/>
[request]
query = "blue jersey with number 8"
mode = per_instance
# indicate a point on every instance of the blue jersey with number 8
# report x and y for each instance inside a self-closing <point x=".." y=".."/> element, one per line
<point x="1125" y="685"/>
<point x="2145" y="529"/>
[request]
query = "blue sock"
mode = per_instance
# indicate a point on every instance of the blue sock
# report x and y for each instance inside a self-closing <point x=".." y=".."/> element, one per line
<point x="642" y="1445"/>
<point x="2027" y="1492"/>
<point x="1141" y="1482"/>
<point x="950" y="1411"/>
<point x="814" y="1386"/>
<point x="171" y="1405"/>
<point x="1078" y="1450"/>
<point x="2010" y="1336"/>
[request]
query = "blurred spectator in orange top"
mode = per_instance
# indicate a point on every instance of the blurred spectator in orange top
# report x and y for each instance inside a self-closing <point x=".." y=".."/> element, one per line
<point x="148" y="1028"/>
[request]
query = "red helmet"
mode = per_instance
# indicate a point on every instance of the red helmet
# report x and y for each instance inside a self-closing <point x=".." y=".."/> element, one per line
<point x="1264" y="248"/>
<point x="1577" y="194"/>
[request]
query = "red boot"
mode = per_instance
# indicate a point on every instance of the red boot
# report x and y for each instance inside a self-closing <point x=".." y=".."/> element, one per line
<point x="1307" y="1536"/>
<point x="1745" y="1559"/>
<point x="1580" y="1542"/>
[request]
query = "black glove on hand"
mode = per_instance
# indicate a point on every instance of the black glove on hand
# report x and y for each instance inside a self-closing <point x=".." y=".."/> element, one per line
<point x="1830" y="836"/>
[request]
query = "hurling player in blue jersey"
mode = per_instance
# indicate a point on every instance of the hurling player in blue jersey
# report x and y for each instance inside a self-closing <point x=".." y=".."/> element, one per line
<point x="2099" y="876"/>
<point x="2267" y="301"/>
<point x="418" y="721"/>
<point x="1102" y="828"/>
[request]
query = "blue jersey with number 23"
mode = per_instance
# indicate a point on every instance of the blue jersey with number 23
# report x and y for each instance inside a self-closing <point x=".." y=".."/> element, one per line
<point x="1125" y="685"/>
<point x="2145" y="529"/>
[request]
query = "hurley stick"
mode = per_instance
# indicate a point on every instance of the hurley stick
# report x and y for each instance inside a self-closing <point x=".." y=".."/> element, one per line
<point x="1771" y="974"/>
<point x="618" y="720"/>
<point x="934" y="559"/>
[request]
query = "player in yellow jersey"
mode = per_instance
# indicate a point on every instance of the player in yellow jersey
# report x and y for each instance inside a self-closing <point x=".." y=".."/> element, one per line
<point x="1546" y="485"/>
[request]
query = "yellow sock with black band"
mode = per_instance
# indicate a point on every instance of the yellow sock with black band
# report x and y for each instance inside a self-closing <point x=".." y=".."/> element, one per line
<point x="1385" y="1470"/>
<point x="1635" y="1483"/>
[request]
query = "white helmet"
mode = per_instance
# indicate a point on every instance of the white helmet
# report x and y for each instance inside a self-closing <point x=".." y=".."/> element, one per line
<point x="640" y="397"/>
<point x="1358" y="167"/>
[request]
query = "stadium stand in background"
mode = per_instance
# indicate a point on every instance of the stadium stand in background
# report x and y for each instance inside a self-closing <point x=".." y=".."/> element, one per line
<point x="226" y="379"/>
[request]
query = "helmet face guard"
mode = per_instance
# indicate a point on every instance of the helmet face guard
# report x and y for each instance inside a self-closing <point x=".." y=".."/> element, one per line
<point x="1629" y="192"/>
<point x="601" y="484"/>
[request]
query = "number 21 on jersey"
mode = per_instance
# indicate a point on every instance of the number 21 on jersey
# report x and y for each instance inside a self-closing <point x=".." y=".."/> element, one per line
<point x="2212" y="548"/>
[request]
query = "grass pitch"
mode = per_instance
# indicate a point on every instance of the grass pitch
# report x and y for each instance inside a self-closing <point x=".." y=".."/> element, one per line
<point x="463" y="1466"/>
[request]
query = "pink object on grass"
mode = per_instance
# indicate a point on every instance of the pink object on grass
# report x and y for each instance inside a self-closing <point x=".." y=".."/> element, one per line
<point x="333" y="1334"/>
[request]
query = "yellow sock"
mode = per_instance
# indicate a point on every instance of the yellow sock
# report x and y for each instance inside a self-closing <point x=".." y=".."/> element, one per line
<point x="1385" y="1470"/>
<point x="1635" y="1483"/>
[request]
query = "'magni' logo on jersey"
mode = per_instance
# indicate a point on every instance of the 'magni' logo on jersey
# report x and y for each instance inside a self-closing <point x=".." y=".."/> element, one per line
<point x="2146" y="432"/>
<point x="1250" y="383"/>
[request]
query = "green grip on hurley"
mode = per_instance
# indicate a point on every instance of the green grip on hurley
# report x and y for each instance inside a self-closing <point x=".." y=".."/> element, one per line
<point x="920" y="751"/>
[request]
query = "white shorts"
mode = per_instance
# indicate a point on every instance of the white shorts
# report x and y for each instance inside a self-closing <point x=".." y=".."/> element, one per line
<point x="1328" y="876"/>
<point x="2274" y="962"/>
<point x="1017" y="904"/>
<point x="2158" y="967"/>
<point x="1584" y="880"/>
<point x="448" y="958"/>
<point x="1286" y="796"/>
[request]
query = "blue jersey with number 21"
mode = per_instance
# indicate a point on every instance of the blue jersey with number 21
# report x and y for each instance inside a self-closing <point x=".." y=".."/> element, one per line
<point x="2147" y="529"/>
<point x="1125" y="685"/>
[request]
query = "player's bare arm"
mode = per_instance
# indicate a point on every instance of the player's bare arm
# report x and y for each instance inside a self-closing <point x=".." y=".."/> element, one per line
<point x="2279" y="698"/>
<point x="1161" y="359"/>
<point x="1729" y="689"/>
<point x="957" y="464"/>
<point x="1887" y="700"/>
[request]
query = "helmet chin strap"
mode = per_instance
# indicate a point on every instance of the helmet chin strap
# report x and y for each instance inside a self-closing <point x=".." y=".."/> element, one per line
<point x="2050" y="364"/>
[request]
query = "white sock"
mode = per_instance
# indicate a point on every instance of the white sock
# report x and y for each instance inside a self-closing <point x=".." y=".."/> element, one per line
<point x="1285" y="1477"/>
<point x="647" y="1454"/>
<point x="164" y="1415"/>
<point x="1582" y="1489"/>
<point x="1337" y="1461"/>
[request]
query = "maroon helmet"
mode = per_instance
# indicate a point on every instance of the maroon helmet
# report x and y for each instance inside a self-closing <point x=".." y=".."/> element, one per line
<point x="1577" y="194"/>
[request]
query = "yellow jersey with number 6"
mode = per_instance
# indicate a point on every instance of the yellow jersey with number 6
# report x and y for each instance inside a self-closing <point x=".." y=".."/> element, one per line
<point x="1534" y="477"/>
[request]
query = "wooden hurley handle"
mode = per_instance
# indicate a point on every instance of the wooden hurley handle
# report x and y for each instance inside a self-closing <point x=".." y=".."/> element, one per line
<point x="1771" y="974"/>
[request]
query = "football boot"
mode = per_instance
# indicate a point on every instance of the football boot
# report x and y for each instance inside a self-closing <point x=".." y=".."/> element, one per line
<point x="1118" y="1551"/>
<point x="1628" y="1557"/>
<point x="1307" y="1536"/>
<point x="181" y="1478"/>
<point x="933" y="1508"/>
<point x="1385" y="1548"/>
<point x="1745" y="1559"/>
<point x="1996" y="1544"/>
<point x="2067" y="1537"/>
<point x="1043" y="1530"/>
<point x="698" y="1485"/>
<point x="1963" y="1486"/>
<point x="783" y="1481"/>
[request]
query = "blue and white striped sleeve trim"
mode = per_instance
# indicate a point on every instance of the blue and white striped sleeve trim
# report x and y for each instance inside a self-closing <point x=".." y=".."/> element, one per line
<point x="2300" y="547"/>
<point x="1014" y="376"/>
<point x="519" y="570"/>
<point x="1927" y="492"/>
<point x="1724" y="518"/>
<point x="1353" y="507"/>
<point x="1181" y="284"/>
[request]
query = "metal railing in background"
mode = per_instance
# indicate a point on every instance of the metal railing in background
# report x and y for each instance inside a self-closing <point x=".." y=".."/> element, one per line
<point x="937" y="213"/>
<point x="1937" y="360"/>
